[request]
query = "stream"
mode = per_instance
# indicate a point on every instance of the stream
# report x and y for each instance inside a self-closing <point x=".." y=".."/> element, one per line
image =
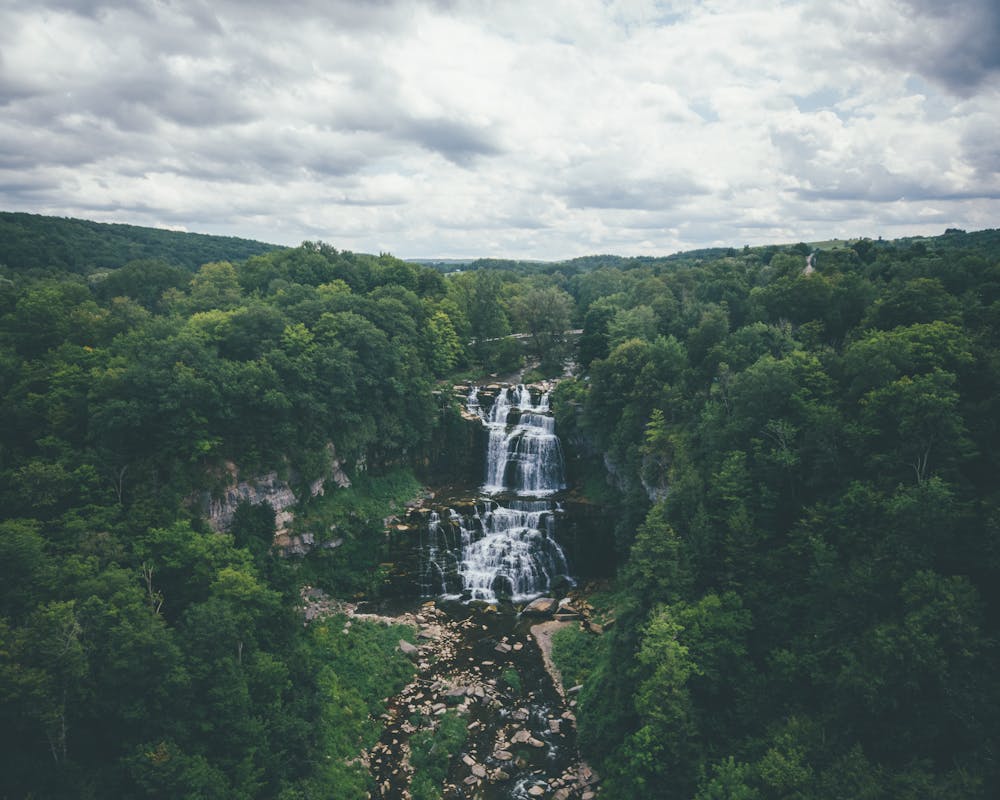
<point x="521" y="744"/>
<point x="491" y="572"/>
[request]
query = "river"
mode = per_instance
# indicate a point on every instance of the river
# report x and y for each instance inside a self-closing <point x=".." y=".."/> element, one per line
<point x="481" y="562"/>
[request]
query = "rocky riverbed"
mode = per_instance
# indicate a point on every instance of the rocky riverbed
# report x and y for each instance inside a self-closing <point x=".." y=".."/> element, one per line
<point x="486" y="666"/>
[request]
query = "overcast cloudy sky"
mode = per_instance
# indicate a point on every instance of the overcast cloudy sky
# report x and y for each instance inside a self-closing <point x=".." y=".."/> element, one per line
<point x="537" y="129"/>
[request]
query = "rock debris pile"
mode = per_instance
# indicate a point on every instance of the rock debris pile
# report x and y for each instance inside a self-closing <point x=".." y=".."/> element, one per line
<point x="521" y="738"/>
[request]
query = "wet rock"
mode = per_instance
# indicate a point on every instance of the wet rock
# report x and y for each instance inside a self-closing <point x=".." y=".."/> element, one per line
<point x="455" y="694"/>
<point x="502" y="587"/>
<point x="540" y="607"/>
<point x="587" y="776"/>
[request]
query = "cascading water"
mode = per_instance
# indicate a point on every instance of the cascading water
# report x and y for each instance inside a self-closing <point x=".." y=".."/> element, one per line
<point x="524" y="458"/>
<point x="504" y="551"/>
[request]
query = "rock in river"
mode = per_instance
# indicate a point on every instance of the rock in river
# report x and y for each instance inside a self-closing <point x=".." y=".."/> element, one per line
<point x="540" y="606"/>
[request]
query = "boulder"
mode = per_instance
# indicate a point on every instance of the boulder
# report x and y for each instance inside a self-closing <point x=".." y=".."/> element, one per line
<point x="408" y="649"/>
<point x="540" y="607"/>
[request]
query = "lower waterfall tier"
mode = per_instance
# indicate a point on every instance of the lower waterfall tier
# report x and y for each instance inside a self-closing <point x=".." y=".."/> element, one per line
<point x="496" y="553"/>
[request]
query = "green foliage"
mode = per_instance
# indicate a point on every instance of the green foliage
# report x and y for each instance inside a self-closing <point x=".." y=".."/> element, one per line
<point x="512" y="680"/>
<point x="544" y="314"/>
<point x="33" y="242"/>
<point x="354" y="515"/>
<point x="140" y="654"/>
<point x="431" y="751"/>
<point x="804" y="611"/>
<point x="729" y="780"/>
<point x="575" y="653"/>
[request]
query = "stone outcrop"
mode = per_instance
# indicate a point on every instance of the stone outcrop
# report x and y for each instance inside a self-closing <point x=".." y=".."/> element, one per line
<point x="220" y="507"/>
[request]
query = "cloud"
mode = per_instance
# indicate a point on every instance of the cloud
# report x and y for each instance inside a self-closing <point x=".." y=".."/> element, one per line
<point x="623" y="192"/>
<point x="954" y="43"/>
<point x="458" y="142"/>
<point x="465" y="127"/>
<point x="958" y="44"/>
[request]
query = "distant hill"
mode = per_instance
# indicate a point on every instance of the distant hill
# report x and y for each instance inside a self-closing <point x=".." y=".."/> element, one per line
<point x="36" y="242"/>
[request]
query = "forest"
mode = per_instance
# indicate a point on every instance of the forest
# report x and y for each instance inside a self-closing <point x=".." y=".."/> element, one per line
<point x="799" y="444"/>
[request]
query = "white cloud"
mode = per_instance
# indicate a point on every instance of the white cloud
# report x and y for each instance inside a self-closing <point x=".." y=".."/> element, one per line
<point x="517" y="128"/>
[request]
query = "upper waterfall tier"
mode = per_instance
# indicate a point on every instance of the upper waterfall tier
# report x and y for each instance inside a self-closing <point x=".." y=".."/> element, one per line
<point x="524" y="455"/>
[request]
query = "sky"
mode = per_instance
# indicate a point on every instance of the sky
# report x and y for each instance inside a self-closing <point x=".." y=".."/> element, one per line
<point x="520" y="129"/>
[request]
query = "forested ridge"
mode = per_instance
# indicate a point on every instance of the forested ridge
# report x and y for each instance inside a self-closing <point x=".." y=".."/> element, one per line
<point x="810" y="607"/>
<point x="141" y="653"/>
<point x="802" y="443"/>
<point x="35" y="242"/>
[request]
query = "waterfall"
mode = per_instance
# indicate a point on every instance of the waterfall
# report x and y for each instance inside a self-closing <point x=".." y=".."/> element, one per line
<point x="504" y="551"/>
<point x="510" y="552"/>
<point x="524" y="457"/>
<point x="433" y="573"/>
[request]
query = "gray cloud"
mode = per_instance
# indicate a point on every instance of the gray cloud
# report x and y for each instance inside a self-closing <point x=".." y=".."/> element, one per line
<point x="642" y="194"/>
<point x="981" y="150"/>
<point x="953" y="42"/>
<point x="458" y="142"/>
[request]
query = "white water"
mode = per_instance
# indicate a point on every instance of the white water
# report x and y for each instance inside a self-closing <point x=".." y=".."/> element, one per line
<point x="504" y="551"/>
<point x="509" y="551"/>
<point x="523" y="457"/>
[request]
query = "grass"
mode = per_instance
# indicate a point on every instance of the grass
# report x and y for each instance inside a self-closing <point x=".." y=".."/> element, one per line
<point x="355" y="672"/>
<point x="371" y="497"/>
<point x="431" y="751"/>
<point x="512" y="680"/>
<point x="575" y="653"/>
<point x="355" y="515"/>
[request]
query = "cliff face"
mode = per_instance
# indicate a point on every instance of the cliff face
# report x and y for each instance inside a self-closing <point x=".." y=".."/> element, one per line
<point x="219" y="508"/>
<point x="267" y="488"/>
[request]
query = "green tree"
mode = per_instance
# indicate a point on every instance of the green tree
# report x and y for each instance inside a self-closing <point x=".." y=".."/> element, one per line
<point x="544" y="313"/>
<point x="215" y="286"/>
